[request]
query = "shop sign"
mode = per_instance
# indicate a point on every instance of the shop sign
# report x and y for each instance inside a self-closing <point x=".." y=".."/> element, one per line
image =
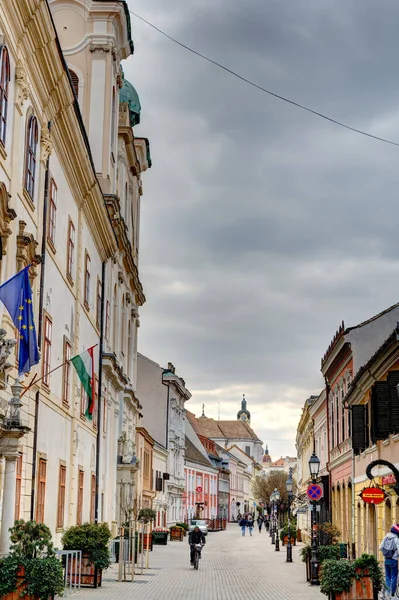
<point x="373" y="495"/>
<point x="389" y="480"/>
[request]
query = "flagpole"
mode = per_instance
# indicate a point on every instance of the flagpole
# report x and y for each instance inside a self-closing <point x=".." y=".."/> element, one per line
<point x="34" y="381"/>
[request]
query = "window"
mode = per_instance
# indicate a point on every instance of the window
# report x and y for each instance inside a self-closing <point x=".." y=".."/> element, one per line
<point x="52" y="213"/>
<point x="84" y="401"/>
<point x="87" y="281"/>
<point x="343" y="414"/>
<point x="18" y="487"/>
<point x="75" y="82"/>
<point x="47" y="350"/>
<point x="248" y="450"/>
<point x="61" y="496"/>
<point x="98" y="306"/>
<point x="332" y="422"/>
<point x="30" y="156"/>
<point x="71" y="251"/>
<point x="79" y="516"/>
<point x="66" y="386"/>
<point x="93" y="499"/>
<point x="206" y="485"/>
<point x="4" y="81"/>
<point x="107" y="317"/>
<point x="41" y="490"/>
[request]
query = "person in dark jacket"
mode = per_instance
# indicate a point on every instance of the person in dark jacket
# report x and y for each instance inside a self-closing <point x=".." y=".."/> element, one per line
<point x="260" y="523"/>
<point x="243" y="525"/>
<point x="195" y="537"/>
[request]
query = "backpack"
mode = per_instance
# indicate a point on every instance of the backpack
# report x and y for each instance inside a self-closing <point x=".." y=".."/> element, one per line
<point x="388" y="547"/>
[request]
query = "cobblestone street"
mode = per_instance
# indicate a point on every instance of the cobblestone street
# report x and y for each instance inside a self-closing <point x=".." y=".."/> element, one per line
<point x="232" y="568"/>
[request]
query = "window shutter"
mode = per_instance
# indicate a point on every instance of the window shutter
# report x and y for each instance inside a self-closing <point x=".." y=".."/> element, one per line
<point x="393" y="382"/>
<point x="358" y="428"/>
<point x="381" y="411"/>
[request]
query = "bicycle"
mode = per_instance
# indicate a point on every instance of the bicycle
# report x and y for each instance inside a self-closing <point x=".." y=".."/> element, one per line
<point x="197" y="555"/>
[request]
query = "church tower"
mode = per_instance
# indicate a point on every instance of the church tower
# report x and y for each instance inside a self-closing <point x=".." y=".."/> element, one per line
<point x="244" y="414"/>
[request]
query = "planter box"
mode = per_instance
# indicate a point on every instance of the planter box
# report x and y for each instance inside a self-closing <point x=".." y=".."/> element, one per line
<point x="160" y="538"/>
<point x="285" y="541"/>
<point x="21" y="585"/>
<point x="361" y="590"/>
<point x="91" y="576"/>
<point x="147" y="541"/>
<point x="176" y="535"/>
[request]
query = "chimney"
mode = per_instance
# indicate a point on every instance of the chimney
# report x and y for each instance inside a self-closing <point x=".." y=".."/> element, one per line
<point x="171" y="368"/>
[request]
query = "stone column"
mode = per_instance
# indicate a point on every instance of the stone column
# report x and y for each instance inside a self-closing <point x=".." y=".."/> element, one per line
<point x="8" y="512"/>
<point x="9" y="449"/>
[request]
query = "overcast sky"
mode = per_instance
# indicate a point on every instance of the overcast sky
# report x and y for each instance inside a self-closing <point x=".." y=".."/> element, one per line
<point x="262" y="225"/>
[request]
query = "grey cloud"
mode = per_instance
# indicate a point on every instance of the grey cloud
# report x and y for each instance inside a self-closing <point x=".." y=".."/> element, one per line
<point x="263" y="226"/>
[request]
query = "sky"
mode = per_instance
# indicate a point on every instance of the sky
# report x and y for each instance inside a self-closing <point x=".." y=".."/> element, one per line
<point x="263" y="226"/>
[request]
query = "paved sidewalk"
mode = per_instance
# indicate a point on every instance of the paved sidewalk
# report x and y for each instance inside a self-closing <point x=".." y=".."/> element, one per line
<point x="232" y="568"/>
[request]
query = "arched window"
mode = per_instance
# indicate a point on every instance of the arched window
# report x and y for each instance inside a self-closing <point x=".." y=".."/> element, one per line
<point x="30" y="158"/>
<point x="75" y="82"/>
<point x="4" y="81"/>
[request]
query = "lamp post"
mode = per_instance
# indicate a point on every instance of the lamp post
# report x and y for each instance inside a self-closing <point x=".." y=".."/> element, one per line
<point x="314" y="465"/>
<point x="277" y="498"/>
<point x="289" y="493"/>
<point x="272" y="524"/>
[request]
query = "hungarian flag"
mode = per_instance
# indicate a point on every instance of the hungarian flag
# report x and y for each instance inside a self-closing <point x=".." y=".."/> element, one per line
<point x="84" y="365"/>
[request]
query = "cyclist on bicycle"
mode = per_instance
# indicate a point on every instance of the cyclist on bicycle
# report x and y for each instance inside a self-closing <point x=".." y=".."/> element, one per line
<point x="195" y="537"/>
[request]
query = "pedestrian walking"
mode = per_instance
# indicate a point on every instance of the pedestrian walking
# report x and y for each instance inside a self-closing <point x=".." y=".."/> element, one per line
<point x="243" y="525"/>
<point x="267" y="523"/>
<point x="260" y="523"/>
<point x="390" y="548"/>
<point x="250" y="524"/>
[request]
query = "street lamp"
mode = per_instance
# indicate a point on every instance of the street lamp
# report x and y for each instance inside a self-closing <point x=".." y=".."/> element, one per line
<point x="272" y="499"/>
<point x="289" y="493"/>
<point x="314" y="465"/>
<point x="277" y="498"/>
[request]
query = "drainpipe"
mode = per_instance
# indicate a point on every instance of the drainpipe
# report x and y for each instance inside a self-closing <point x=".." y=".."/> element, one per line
<point x="40" y="334"/>
<point x="100" y="380"/>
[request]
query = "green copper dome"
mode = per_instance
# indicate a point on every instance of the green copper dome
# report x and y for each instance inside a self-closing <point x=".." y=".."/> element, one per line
<point x="128" y="94"/>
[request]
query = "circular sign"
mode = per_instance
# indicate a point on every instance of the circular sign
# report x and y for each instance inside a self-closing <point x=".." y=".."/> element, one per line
<point x="198" y="489"/>
<point x="314" y="492"/>
<point x="373" y="495"/>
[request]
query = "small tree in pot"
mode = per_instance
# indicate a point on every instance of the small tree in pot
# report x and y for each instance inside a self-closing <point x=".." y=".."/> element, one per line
<point x="93" y="541"/>
<point x="32" y="567"/>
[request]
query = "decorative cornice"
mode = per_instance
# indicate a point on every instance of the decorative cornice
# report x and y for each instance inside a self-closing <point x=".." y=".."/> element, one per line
<point x="46" y="145"/>
<point x="100" y="49"/>
<point x="7" y="215"/>
<point x="22" y="84"/>
<point x="26" y="250"/>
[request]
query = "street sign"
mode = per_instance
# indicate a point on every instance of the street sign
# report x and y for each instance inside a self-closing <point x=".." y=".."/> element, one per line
<point x="314" y="492"/>
<point x="253" y="503"/>
<point x="198" y="489"/>
<point x="373" y="495"/>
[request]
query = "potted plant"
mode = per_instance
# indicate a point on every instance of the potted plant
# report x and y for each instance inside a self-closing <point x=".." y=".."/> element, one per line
<point x="31" y="569"/>
<point x="284" y="535"/>
<point x="160" y="536"/>
<point x="184" y="526"/>
<point x="146" y="516"/>
<point x="93" y="540"/>
<point x="360" y="579"/>
<point x="176" y="533"/>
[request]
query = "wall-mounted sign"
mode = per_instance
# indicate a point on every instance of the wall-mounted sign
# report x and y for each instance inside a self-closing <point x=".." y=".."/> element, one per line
<point x="388" y="480"/>
<point x="373" y="495"/>
<point x="198" y="489"/>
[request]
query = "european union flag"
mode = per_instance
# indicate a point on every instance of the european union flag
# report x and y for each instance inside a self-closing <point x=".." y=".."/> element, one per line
<point x="16" y="295"/>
